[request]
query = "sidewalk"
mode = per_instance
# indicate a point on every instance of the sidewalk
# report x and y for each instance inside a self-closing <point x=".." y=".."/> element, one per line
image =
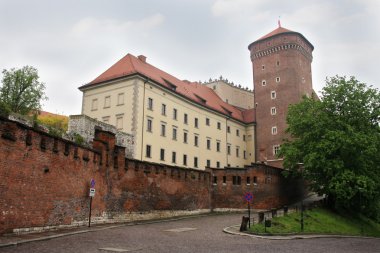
<point x="234" y="230"/>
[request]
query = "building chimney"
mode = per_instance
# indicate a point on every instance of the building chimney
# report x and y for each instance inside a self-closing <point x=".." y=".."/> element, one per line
<point x="142" y="58"/>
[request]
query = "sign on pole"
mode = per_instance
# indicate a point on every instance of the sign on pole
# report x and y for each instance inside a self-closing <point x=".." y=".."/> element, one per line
<point x="92" y="192"/>
<point x="248" y="197"/>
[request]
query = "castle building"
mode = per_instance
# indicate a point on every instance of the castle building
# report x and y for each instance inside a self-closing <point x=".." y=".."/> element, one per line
<point x="197" y="125"/>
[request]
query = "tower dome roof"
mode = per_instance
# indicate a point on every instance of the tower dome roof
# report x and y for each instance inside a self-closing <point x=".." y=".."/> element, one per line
<point x="276" y="31"/>
<point x="279" y="31"/>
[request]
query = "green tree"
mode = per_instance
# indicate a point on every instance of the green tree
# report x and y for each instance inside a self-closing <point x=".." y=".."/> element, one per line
<point x="21" y="91"/>
<point x="336" y="142"/>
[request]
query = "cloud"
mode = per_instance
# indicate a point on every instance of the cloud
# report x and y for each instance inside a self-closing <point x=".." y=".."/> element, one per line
<point x="107" y="27"/>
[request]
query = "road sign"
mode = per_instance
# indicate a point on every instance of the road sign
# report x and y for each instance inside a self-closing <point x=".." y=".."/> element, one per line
<point x="92" y="183"/>
<point x="248" y="196"/>
<point x="92" y="192"/>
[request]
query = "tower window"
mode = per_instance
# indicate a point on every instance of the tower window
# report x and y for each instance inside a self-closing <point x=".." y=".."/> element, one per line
<point x="263" y="82"/>
<point x="273" y="95"/>
<point x="262" y="67"/>
<point x="276" y="149"/>
<point x="273" y="111"/>
<point x="278" y="63"/>
<point x="277" y="79"/>
<point x="274" y="130"/>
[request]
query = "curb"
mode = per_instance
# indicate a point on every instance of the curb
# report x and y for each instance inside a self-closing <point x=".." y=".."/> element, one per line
<point x="234" y="230"/>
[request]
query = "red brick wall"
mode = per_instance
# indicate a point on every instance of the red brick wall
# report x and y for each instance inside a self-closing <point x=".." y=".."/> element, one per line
<point x="271" y="189"/>
<point x="41" y="184"/>
<point x="45" y="181"/>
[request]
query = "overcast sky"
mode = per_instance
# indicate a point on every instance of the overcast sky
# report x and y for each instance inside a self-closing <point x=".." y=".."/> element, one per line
<point x="71" y="42"/>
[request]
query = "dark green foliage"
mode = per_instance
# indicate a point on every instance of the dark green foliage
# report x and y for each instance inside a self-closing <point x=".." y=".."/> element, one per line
<point x="336" y="140"/>
<point x="21" y="91"/>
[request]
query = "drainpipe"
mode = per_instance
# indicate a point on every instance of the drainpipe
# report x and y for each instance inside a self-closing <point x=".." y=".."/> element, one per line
<point x="143" y="122"/>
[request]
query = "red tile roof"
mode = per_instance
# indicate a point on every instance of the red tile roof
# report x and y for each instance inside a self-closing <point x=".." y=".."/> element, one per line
<point x="275" y="32"/>
<point x="193" y="91"/>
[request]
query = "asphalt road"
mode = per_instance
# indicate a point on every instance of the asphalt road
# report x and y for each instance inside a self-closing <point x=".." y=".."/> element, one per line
<point x="198" y="234"/>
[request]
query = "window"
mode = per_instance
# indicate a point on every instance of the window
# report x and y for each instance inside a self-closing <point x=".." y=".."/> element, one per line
<point x="185" y="160"/>
<point x="273" y="94"/>
<point x="119" y="121"/>
<point x="218" y="146"/>
<point x="185" y="137"/>
<point x="237" y="132"/>
<point x="276" y="149"/>
<point x="224" y="179"/>
<point x="262" y="67"/>
<point x="278" y="63"/>
<point x="174" y="134"/>
<point x="196" y="162"/>
<point x="148" y="151"/>
<point x="248" y="180"/>
<point x="163" y="130"/>
<point x="106" y="119"/>
<point x="219" y="125"/>
<point x="243" y="137"/>
<point x="174" y="114"/>
<point x="208" y="144"/>
<point x="263" y="82"/>
<point x="196" y="140"/>
<point x="208" y="163"/>
<point x="185" y="118"/>
<point x="274" y="130"/>
<point x="149" y="125"/>
<point x="229" y="149"/>
<point x="94" y="104"/>
<point x="120" y="99"/>
<point x="162" y="154"/>
<point x="228" y="129"/>
<point x="174" y="157"/>
<point x="196" y="122"/>
<point x="277" y="79"/>
<point x="255" y="180"/>
<point x="215" y="180"/>
<point x="273" y="111"/>
<point x="163" y="109"/>
<point x="237" y="152"/>
<point x="218" y="164"/>
<point x="150" y="103"/>
<point x="245" y="154"/>
<point x="107" y="102"/>
<point x="236" y="180"/>
<point x="207" y="121"/>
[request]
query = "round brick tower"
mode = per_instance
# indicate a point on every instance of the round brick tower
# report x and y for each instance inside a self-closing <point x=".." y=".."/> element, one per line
<point x="281" y="62"/>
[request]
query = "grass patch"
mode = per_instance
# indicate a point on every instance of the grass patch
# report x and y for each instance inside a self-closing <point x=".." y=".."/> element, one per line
<point x="320" y="221"/>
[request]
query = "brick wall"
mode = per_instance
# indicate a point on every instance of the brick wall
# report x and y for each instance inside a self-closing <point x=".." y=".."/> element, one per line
<point x="45" y="181"/>
<point x="270" y="189"/>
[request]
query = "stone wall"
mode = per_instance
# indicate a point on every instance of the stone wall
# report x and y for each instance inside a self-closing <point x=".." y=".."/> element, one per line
<point x="45" y="183"/>
<point x="85" y="126"/>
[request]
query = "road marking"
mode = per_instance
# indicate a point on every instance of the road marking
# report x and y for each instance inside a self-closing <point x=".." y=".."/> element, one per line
<point x="114" y="249"/>
<point x="179" y="230"/>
